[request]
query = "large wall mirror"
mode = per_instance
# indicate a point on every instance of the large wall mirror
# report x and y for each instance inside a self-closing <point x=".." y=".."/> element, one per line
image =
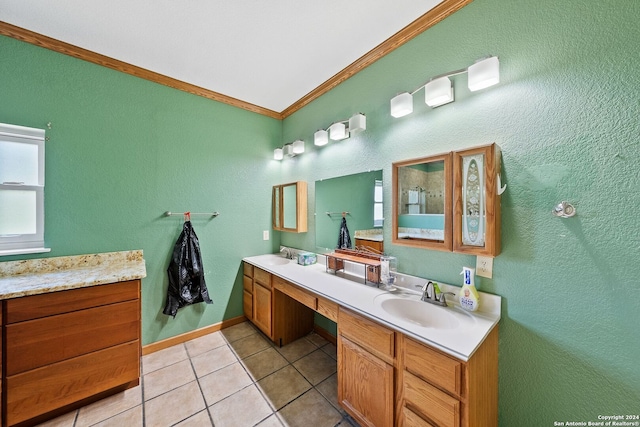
<point x="422" y="193"/>
<point x="361" y="196"/>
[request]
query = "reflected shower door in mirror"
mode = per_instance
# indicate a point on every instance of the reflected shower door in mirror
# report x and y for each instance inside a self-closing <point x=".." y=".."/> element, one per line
<point x="360" y="195"/>
<point x="422" y="193"/>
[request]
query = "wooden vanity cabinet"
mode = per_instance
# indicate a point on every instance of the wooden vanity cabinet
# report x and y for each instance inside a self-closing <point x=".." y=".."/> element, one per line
<point x="440" y="390"/>
<point x="247" y="290"/>
<point x="294" y="310"/>
<point x="66" y="348"/>
<point x="262" y="301"/>
<point x="366" y="353"/>
<point x="281" y="310"/>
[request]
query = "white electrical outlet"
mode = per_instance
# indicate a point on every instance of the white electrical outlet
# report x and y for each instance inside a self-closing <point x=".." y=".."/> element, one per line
<point x="484" y="266"/>
<point x="265" y="235"/>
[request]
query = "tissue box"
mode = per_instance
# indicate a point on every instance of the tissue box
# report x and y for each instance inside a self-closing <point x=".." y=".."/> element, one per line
<point x="306" y="258"/>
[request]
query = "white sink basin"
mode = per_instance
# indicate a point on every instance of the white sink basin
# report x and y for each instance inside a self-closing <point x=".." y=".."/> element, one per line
<point x="411" y="309"/>
<point x="277" y="260"/>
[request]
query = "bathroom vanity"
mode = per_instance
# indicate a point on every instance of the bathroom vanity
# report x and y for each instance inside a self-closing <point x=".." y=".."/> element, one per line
<point x="393" y="369"/>
<point x="71" y="332"/>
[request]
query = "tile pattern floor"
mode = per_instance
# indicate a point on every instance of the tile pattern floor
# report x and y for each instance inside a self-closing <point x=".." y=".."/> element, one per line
<point x="235" y="377"/>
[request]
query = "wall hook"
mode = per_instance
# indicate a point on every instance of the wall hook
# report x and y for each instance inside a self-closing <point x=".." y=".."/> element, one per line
<point x="501" y="188"/>
<point x="564" y="210"/>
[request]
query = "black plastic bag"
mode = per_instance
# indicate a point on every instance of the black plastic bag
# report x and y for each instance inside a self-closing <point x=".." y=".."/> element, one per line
<point x="186" y="274"/>
<point x="344" y="239"/>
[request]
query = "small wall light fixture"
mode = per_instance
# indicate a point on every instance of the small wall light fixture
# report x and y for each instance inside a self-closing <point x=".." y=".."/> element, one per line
<point x="289" y="150"/>
<point x="298" y="146"/>
<point x="438" y="90"/>
<point x="340" y="130"/>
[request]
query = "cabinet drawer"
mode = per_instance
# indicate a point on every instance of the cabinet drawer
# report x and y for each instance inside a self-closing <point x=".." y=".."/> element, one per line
<point x="373" y="337"/>
<point x="247" y="304"/>
<point x="42" y="390"/>
<point x="247" y="284"/>
<point x="411" y="419"/>
<point x="247" y="269"/>
<point x="426" y="399"/>
<point x="37" y="306"/>
<point x="328" y="309"/>
<point x="262" y="277"/>
<point x="40" y="342"/>
<point x="295" y="292"/>
<point x="432" y="366"/>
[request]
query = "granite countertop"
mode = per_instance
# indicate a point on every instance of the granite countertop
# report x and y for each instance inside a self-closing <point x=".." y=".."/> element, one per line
<point x="38" y="276"/>
<point x="354" y="295"/>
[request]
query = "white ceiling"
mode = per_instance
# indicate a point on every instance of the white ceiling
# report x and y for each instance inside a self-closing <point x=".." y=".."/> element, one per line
<point x="267" y="53"/>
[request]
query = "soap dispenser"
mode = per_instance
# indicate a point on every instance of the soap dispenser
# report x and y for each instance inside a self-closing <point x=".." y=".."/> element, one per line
<point x="469" y="298"/>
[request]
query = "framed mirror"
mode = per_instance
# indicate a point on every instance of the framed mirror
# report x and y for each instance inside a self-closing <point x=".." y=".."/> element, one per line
<point x="422" y="194"/>
<point x="358" y="194"/>
<point x="289" y="204"/>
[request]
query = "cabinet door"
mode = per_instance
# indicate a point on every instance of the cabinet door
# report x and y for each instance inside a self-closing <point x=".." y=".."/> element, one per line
<point x="262" y="308"/>
<point x="365" y="385"/>
<point x="247" y="304"/>
<point x="476" y="214"/>
<point x="290" y="207"/>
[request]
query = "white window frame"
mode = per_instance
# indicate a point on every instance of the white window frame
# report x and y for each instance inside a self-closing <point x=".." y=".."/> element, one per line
<point x="378" y="201"/>
<point x="16" y="244"/>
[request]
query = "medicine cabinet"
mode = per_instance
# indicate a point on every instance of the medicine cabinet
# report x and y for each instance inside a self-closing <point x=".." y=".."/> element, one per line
<point x="449" y="202"/>
<point x="289" y="203"/>
<point x="422" y="193"/>
<point x="476" y="211"/>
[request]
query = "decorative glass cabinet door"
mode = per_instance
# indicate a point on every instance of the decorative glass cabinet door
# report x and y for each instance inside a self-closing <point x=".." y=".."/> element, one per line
<point x="476" y="223"/>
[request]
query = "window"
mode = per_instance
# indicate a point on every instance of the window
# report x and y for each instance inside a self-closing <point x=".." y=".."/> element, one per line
<point x="378" y="219"/>
<point x="21" y="190"/>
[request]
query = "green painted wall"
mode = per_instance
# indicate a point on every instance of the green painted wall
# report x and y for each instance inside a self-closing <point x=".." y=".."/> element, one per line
<point x="351" y="193"/>
<point x="567" y="116"/>
<point x="122" y="151"/>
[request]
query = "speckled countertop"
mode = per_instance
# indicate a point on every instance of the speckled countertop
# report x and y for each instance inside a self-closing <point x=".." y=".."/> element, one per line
<point x="38" y="276"/>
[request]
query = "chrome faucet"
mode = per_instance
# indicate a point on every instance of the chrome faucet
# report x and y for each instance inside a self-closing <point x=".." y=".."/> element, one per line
<point x="288" y="253"/>
<point x="433" y="297"/>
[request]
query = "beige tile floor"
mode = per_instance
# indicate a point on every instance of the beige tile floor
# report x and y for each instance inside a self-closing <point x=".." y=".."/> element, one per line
<point x="235" y="377"/>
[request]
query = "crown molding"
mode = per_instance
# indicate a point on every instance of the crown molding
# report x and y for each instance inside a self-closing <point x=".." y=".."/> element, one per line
<point x="424" y="22"/>
<point x="96" y="58"/>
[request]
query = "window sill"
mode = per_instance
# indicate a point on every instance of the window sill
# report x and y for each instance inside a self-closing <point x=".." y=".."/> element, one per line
<point x="24" y="251"/>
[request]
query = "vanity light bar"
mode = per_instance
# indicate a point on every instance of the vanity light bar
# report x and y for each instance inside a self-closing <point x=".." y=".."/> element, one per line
<point x="438" y="91"/>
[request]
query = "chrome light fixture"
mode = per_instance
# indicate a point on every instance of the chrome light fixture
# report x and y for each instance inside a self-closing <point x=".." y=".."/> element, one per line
<point x="341" y="129"/>
<point x="484" y="73"/>
<point x="402" y="104"/>
<point x="298" y="146"/>
<point x="289" y="150"/>
<point x="438" y="91"/>
<point x="357" y="123"/>
<point x="321" y="137"/>
<point x="338" y="131"/>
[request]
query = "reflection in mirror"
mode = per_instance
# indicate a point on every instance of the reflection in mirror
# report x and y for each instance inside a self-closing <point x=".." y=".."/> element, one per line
<point x="289" y="205"/>
<point x="359" y="194"/>
<point x="277" y="224"/>
<point x="289" y="210"/>
<point x="422" y="202"/>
